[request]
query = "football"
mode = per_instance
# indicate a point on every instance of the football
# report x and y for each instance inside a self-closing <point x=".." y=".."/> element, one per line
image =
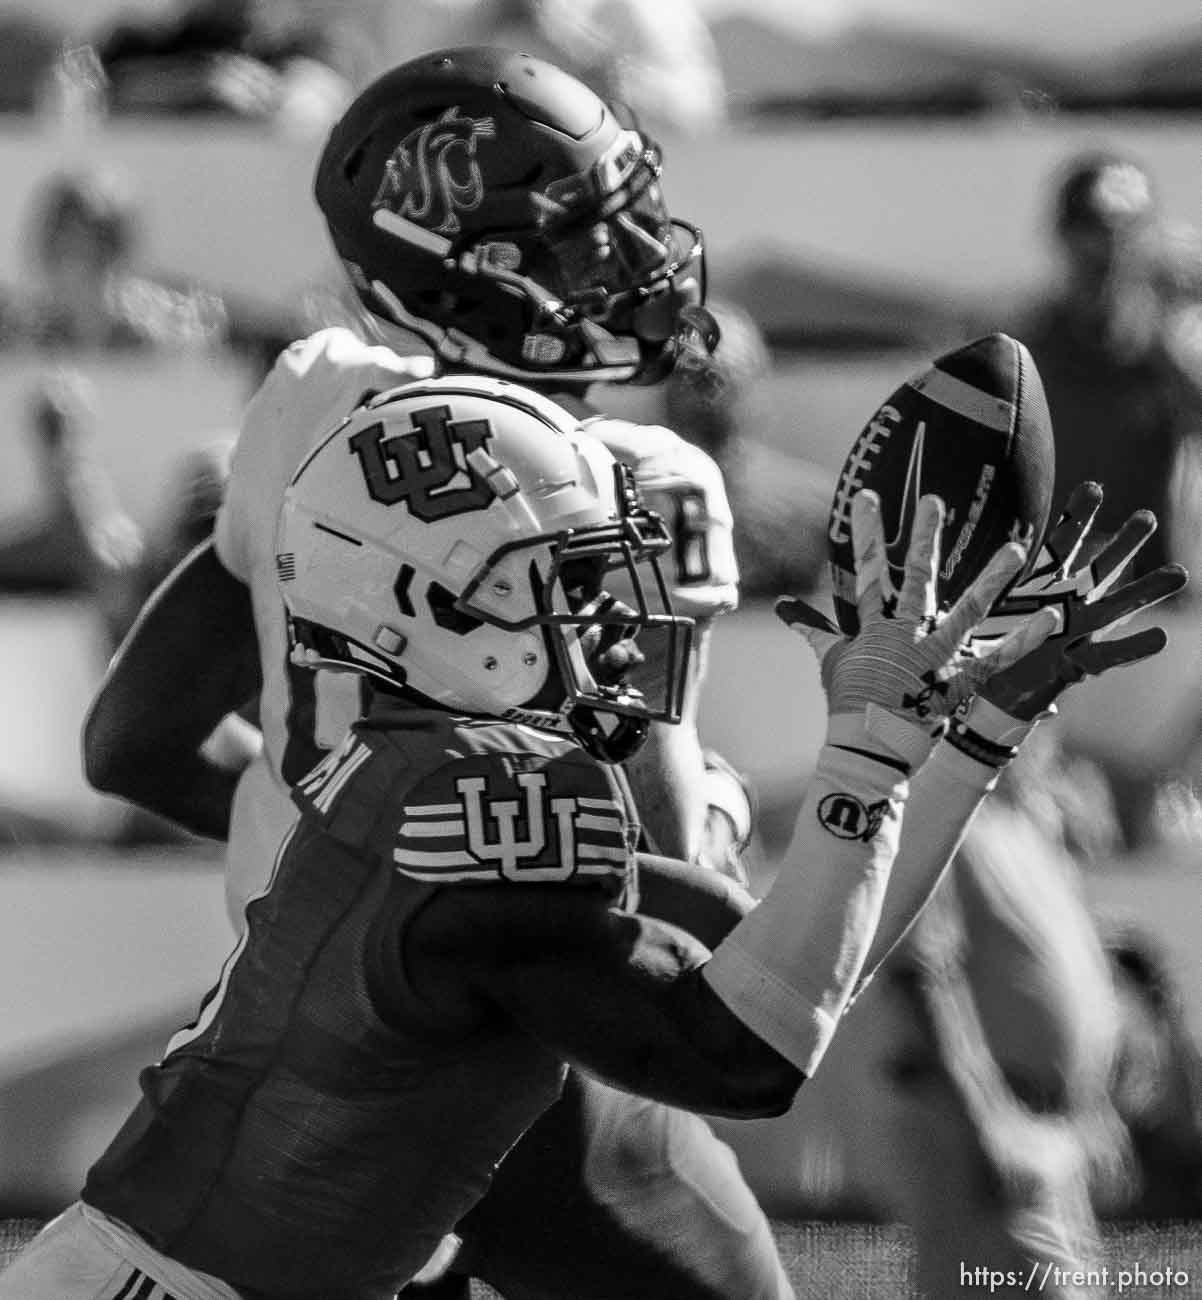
<point x="974" y="428"/>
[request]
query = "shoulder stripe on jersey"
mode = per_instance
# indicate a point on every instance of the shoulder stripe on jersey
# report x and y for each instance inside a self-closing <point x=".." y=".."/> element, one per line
<point x="431" y="830"/>
<point x="490" y="875"/>
<point x="609" y="852"/>
<point x="589" y="822"/>
<point x="419" y="858"/>
<point x="433" y="810"/>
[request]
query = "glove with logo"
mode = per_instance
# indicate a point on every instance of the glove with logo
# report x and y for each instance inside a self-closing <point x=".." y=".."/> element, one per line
<point x="1011" y="702"/>
<point x="1059" y="575"/>
<point x="899" y="679"/>
<point x="1029" y="688"/>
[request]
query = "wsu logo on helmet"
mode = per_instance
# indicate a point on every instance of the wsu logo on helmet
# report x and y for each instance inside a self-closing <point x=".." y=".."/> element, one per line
<point x="429" y="469"/>
<point x="433" y="174"/>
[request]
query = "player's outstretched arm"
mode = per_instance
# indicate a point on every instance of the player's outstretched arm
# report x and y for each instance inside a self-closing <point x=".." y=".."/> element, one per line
<point x="618" y="994"/>
<point x="988" y="731"/>
<point x="733" y="1029"/>
<point x="189" y="660"/>
<point x="705" y="902"/>
<point x="790" y="968"/>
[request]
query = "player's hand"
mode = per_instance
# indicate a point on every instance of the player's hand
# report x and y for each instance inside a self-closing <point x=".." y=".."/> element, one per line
<point x="905" y="659"/>
<point x="1029" y="688"/>
<point x="1079" y="589"/>
<point x="1059" y="576"/>
<point x="116" y="542"/>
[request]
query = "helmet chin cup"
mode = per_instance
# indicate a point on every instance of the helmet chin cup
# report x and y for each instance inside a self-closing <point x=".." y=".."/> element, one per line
<point x="697" y="331"/>
<point x="621" y="742"/>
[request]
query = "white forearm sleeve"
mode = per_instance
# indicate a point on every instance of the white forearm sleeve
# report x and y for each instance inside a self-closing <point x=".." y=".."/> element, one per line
<point x="944" y="797"/>
<point x="789" y="967"/>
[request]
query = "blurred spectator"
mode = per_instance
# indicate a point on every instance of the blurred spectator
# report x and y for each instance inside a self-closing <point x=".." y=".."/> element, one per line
<point x="772" y="495"/>
<point x="84" y="237"/>
<point x="29" y="47"/>
<point x="1180" y="264"/>
<point x="1118" y="342"/>
<point x="191" y="502"/>
<point x="658" y="59"/>
<point x="1119" y="347"/>
<point x="1157" y="1084"/>
<point x="78" y="539"/>
<point x="247" y="58"/>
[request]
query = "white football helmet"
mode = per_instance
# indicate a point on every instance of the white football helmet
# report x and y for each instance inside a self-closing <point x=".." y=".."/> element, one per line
<point x="457" y="538"/>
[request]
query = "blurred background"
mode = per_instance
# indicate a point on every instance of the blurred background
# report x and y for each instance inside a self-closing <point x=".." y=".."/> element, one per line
<point x="877" y="181"/>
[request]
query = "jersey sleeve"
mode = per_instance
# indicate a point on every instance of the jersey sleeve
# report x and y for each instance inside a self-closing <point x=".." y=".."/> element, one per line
<point x="684" y="484"/>
<point x="313" y="384"/>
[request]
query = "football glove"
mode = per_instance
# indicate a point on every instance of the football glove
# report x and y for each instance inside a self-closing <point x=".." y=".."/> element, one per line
<point x="1089" y="602"/>
<point x="904" y="669"/>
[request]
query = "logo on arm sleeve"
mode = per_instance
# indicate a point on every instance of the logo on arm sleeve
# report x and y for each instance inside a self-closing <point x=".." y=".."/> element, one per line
<point x="849" y="818"/>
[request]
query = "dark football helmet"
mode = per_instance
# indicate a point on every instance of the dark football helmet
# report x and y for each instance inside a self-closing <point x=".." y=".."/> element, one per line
<point x="495" y="206"/>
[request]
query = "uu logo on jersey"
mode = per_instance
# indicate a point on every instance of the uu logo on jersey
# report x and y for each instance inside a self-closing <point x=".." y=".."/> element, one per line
<point x="433" y="174"/>
<point x="429" y="469"/>
<point x="516" y="828"/>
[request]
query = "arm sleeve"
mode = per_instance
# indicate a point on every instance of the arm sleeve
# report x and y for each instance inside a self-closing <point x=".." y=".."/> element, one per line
<point x="944" y="797"/>
<point x="789" y="968"/>
<point x="188" y="661"/>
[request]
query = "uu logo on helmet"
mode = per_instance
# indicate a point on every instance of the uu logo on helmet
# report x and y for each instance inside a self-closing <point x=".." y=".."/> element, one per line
<point x="430" y="468"/>
<point x="433" y="174"/>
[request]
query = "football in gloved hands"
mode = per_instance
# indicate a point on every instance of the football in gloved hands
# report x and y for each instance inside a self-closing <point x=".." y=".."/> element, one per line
<point x="972" y="428"/>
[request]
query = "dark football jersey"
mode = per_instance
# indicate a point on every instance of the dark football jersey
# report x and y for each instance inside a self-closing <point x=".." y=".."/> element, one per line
<point x="311" y="1134"/>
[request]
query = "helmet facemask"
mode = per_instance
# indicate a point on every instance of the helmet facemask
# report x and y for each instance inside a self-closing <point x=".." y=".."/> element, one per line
<point x="599" y="597"/>
<point x="600" y="284"/>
